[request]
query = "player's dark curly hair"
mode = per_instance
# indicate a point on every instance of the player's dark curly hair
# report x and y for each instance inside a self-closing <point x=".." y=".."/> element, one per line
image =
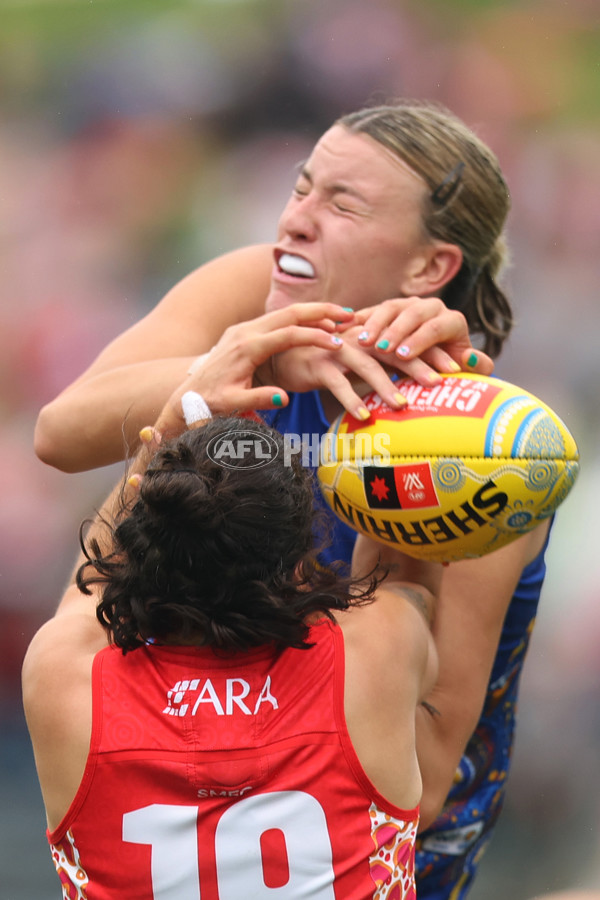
<point x="217" y="555"/>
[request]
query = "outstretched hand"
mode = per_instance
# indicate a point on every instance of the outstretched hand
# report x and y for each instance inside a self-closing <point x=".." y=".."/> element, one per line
<point x="420" y="336"/>
<point x="417" y="337"/>
<point x="225" y="377"/>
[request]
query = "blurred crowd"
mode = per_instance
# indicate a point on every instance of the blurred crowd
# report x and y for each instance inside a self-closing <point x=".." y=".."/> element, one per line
<point x="139" y="139"/>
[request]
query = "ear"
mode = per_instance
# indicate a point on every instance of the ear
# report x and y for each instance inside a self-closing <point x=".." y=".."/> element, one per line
<point x="431" y="269"/>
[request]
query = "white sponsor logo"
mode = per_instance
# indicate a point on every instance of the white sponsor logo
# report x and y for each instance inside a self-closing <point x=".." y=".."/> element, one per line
<point x="191" y="696"/>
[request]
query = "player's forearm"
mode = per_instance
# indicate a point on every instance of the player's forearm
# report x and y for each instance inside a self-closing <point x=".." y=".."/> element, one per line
<point x="471" y="610"/>
<point x="443" y="732"/>
<point x="97" y="422"/>
<point x="451" y="712"/>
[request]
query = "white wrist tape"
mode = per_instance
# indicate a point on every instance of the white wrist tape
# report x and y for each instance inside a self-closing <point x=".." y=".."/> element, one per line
<point x="195" y="408"/>
<point x="198" y="362"/>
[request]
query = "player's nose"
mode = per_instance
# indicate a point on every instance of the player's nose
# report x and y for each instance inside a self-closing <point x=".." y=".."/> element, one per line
<point x="300" y="219"/>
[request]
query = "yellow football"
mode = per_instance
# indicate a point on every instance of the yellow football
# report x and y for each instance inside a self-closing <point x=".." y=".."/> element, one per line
<point x="466" y="467"/>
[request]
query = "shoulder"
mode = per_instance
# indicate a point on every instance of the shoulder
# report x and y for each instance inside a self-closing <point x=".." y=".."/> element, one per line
<point x="388" y="642"/>
<point x="60" y="656"/>
<point x="389" y="667"/>
<point x="57" y="699"/>
<point x="243" y="275"/>
<point x="195" y="312"/>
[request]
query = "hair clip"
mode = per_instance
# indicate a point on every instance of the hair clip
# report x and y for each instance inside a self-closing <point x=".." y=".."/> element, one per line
<point x="447" y="187"/>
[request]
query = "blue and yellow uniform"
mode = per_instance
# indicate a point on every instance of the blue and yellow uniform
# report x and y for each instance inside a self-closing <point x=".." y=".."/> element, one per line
<point x="449" y="852"/>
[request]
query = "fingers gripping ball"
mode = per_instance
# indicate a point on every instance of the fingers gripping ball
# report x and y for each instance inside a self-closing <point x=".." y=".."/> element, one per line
<point x="466" y="467"/>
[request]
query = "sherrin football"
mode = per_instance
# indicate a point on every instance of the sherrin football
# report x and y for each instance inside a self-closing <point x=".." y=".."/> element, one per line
<point x="467" y="466"/>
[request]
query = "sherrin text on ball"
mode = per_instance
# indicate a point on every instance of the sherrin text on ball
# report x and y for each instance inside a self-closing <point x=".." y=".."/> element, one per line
<point x="466" y="467"/>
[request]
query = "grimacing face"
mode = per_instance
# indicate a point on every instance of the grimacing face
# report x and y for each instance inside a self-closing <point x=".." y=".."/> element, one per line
<point x="351" y="232"/>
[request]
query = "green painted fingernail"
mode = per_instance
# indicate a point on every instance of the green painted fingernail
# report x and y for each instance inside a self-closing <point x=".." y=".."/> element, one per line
<point x="472" y="360"/>
<point x="382" y="345"/>
<point x="277" y="401"/>
<point x="347" y="308"/>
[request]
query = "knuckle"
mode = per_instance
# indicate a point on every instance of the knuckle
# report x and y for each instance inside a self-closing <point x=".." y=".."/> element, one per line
<point x="437" y="305"/>
<point x="437" y="328"/>
<point x="458" y="318"/>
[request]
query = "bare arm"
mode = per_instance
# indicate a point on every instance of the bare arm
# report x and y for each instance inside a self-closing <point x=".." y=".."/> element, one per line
<point x="469" y="613"/>
<point x="97" y="418"/>
<point x="473" y="601"/>
<point x="391" y="664"/>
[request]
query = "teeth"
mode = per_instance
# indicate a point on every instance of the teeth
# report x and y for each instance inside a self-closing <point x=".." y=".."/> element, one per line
<point x="295" y="265"/>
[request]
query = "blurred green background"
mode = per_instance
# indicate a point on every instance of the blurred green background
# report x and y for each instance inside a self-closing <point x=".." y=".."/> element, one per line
<point x="139" y="138"/>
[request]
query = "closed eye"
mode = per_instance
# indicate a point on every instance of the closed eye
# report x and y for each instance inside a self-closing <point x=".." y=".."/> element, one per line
<point x="351" y="210"/>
